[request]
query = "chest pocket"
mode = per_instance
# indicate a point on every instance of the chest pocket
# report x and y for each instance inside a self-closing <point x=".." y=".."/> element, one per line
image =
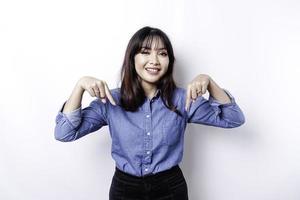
<point x="172" y="128"/>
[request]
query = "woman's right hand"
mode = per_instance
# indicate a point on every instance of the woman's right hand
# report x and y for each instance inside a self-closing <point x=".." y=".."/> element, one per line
<point x="96" y="88"/>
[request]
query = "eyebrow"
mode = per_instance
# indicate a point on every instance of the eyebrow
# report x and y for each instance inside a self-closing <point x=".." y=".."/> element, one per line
<point x="163" y="48"/>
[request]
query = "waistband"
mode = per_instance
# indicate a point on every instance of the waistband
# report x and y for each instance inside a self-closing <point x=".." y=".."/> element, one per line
<point x="165" y="173"/>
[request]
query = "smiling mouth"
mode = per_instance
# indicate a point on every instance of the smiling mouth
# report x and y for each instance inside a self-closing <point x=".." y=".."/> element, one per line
<point x="152" y="71"/>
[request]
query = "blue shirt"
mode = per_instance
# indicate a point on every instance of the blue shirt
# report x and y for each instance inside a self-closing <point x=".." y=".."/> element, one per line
<point x="151" y="139"/>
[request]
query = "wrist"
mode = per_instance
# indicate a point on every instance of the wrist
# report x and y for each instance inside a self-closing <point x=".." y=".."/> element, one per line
<point x="78" y="86"/>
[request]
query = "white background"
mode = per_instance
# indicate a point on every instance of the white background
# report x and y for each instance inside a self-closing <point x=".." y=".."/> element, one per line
<point x="251" y="48"/>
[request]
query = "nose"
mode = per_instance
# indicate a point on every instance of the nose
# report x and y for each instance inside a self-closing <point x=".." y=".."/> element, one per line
<point x="153" y="59"/>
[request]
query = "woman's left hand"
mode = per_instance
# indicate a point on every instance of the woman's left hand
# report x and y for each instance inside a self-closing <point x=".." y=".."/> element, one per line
<point x="196" y="88"/>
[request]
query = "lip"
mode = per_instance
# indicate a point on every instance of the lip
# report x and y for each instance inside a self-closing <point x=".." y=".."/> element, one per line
<point x="154" y="73"/>
<point x="153" y="68"/>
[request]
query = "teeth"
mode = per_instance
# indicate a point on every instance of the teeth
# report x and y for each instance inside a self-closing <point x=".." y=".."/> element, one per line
<point x="153" y="70"/>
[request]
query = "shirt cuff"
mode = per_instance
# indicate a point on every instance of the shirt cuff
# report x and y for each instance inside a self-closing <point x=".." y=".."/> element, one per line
<point x="74" y="117"/>
<point x="215" y="102"/>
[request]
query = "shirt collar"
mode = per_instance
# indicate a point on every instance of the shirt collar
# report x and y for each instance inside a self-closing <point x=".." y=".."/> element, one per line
<point x="157" y="93"/>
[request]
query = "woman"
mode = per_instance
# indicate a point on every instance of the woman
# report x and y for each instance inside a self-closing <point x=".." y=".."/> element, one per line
<point x="147" y="117"/>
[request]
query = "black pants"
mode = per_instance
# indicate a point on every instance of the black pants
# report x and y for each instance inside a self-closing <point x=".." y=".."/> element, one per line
<point x="165" y="185"/>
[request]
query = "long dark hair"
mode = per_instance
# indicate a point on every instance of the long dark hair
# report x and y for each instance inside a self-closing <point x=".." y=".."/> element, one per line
<point x="132" y="93"/>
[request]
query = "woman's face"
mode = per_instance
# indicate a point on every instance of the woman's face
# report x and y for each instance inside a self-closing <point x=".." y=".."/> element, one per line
<point x="151" y="64"/>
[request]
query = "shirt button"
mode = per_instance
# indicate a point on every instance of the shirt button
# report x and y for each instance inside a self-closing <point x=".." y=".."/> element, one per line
<point x="148" y="133"/>
<point x="147" y="116"/>
<point x="146" y="169"/>
<point x="148" y="152"/>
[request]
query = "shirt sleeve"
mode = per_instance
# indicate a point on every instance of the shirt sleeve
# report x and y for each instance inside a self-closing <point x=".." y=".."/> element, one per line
<point x="80" y="122"/>
<point x="213" y="113"/>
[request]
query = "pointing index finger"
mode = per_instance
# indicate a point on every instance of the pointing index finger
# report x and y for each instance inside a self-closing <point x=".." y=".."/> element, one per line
<point x="188" y="99"/>
<point x="108" y="94"/>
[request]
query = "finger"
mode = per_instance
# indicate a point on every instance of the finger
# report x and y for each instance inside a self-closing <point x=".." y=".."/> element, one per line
<point x="102" y="91"/>
<point x="194" y="93"/>
<point x="199" y="94"/>
<point x="188" y="99"/>
<point x="96" y="91"/>
<point x="108" y="94"/>
<point x="91" y="92"/>
<point x="204" y="87"/>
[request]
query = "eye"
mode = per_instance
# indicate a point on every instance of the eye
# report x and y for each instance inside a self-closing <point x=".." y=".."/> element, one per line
<point x="164" y="54"/>
<point x="144" y="52"/>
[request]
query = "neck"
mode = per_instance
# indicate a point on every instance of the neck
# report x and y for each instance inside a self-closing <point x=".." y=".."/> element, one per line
<point x="149" y="89"/>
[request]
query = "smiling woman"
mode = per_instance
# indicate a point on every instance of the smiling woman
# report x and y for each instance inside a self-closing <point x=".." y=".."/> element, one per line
<point x="147" y="118"/>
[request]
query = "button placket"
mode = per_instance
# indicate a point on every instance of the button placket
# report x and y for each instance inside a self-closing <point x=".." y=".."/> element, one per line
<point x="147" y="139"/>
